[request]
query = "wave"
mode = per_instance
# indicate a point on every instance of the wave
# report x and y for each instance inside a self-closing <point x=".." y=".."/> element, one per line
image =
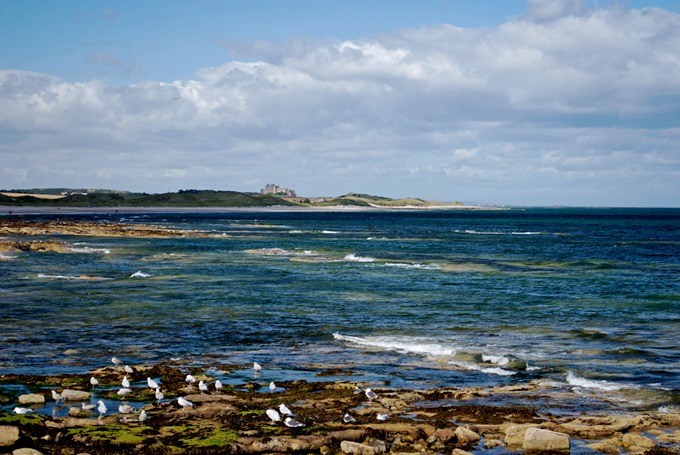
<point x="476" y="367"/>
<point x="140" y="274"/>
<point x="326" y="231"/>
<point x="354" y="258"/>
<point x="90" y="250"/>
<point x="475" y="232"/>
<point x="399" y="344"/>
<point x="5" y="257"/>
<point x="414" y="265"/>
<point x="281" y="252"/>
<point x="578" y="381"/>
<point x="72" y="277"/>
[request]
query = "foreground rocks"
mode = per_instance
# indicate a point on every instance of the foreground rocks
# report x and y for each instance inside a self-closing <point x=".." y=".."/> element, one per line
<point x="233" y="420"/>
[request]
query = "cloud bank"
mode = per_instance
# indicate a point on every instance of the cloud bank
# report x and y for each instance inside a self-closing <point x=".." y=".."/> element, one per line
<point x="561" y="105"/>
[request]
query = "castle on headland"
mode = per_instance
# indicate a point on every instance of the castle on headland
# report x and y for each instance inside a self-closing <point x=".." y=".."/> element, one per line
<point x="276" y="190"/>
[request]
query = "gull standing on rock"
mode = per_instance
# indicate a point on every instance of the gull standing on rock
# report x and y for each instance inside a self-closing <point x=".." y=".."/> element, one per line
<point x="218" y="385"/>
<point x="292" y="423"/>
<point x="142" y="416"/>
<point x="128" y="369"/>
<point x="126" y="409"/>
<point x="94" y="382"/>
<point x="190" y="379"/>
<point x="274" y="415"/>
<point x="202" y="386"/>
<point x="285" y="410"/>
<point x="382" y="417"/>
<point x="151" y="383"/>
<point x="370" y="394"/>
<point x="126" y="382"/>
<point x="348" y="418"/>
<point x="184" y="402"/>
<point x="116" y="361"/>
<point x="159" y="395"/>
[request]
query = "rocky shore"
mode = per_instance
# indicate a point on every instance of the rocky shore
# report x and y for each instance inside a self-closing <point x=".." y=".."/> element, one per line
<point x="234" y="418"/>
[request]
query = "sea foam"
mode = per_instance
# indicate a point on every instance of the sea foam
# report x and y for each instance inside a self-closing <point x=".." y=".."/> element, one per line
<point x="410" y="345"/>
<point x="354" y="258"/>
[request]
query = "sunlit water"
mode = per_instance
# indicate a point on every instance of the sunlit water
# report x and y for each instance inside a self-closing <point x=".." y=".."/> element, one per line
<point x="583" y="299"/>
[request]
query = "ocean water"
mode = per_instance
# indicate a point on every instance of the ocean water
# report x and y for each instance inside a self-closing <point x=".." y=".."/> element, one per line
<point x="584" y="300"/>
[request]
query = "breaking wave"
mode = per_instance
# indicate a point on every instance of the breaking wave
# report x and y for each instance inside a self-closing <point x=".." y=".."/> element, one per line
<point x="354" y="258"/>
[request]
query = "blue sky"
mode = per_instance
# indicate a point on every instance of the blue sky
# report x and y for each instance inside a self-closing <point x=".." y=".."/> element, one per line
<point x="511" y="102"/>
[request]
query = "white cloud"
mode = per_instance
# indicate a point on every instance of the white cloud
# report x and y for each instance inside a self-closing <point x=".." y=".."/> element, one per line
<point x="511" y="114"/>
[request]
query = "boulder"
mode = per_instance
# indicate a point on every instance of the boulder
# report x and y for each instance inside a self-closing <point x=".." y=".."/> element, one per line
<point x="9" y="435"/>
<point x="355" y="448"/>
<point x="633" y="441"/>
<point x="27" y="451"/>
<point x="445" y="434"/>
<point x="514" y="434"/>
<point x="75" y="395"/>
<point x="541" y="440"/>
<point x="466" y="436"/>
<point x="31" y="398"/>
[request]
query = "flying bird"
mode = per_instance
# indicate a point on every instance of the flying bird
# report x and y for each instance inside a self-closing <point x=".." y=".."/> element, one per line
<point x="151" y="383"/>
<point x="274" y="415"/>
<point x="292" y="423"/>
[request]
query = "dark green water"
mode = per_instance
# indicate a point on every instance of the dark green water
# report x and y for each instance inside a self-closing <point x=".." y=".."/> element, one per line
<point x="585" y="299"/>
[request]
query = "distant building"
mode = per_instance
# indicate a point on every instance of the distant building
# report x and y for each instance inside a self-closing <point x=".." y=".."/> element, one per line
<point x="276" y="190"/>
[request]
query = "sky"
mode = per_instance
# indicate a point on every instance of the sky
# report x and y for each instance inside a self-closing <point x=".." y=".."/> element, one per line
<point x="532" y="102"/>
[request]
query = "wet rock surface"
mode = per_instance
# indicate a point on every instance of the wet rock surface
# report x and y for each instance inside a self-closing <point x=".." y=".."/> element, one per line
<point x="234" y="420"/>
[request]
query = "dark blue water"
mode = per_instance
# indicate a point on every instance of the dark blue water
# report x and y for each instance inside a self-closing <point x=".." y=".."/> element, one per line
<point x="577" y="298"/>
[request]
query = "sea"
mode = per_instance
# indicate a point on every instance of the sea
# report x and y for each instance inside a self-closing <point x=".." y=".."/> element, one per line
<point x="584" y="301"/>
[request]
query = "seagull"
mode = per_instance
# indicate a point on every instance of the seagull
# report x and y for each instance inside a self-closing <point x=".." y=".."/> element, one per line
<point x="101" y="407"/>
<point x="347" y="418"/>
<point x="88" y="406"/>
<point x="357" y="390"/>
<point x="190" y="379"/>
<point x="124" y="391"/>
<point x="128" y="369"/>
<point x="126" y="409"/>
<point x="257" y="368"/>
<point x="272" y="386"/>
<point x="202" y="386"/>
<point x="56" y="396"/>
<point x="116" y="361"/>
<point x="285" y="410"/>
<point x="370" y="394"/>
<point x="382" y="417"/>
<point x="151" y="383"/>
<point x="274" y="415"/>
<point x="292" y="423"/>
<point x="142" y="416"/>
<point x="19" y="410"/>
<point x="159" y="395"/>
<point x="126" y="382"/>
<point x="218" y="385"/>
<point x="94" y="382"/>
<point x="184" y="402"/>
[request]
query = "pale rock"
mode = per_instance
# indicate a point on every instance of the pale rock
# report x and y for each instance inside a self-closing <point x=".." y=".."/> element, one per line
<point x="9" y="435"/>
<point x="27" y="451"/>
<point x="460" y="452"/>
<point x="514" y="434"/>
<point x="31" y="398"/>
<point x="610" y="446"/>
<point x="466" y="436"/>
<point x="75" y="395"/>
<point x="355" y="448"/>
<point x="637" y="441"/>
<point x="538" y="439"/>
<point x="445" y="434"/>
<point x="493" y="443"/>
<point x="669" y="438"/>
